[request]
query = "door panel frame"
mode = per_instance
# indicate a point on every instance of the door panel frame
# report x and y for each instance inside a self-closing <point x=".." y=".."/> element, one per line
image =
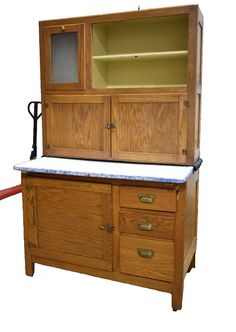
<point x="30" y="186"/>
<point x="152" y="157"/>
<point x="46" y="64"/>
<point x="51" y="150"/>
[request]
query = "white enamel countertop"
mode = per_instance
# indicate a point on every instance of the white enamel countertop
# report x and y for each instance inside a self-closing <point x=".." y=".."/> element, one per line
<point x="107" y="169"/>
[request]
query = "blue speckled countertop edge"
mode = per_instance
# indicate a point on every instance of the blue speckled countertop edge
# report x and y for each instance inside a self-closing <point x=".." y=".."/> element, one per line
<point x="100" y="175"/>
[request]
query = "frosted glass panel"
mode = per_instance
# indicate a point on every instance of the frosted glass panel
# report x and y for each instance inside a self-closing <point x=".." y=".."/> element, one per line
<point x="64" y="57"/>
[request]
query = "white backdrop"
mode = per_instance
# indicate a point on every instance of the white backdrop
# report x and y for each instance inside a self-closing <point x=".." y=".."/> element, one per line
<point x="56" y="300"/>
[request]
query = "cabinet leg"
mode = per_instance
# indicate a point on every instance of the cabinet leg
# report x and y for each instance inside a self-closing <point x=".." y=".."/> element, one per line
<point x="177" y="301"/>
<point x="192" y="264"/>
<point x="177" y="298"/>
<point x="29" y="269"/>
<point x="29" y="266"/>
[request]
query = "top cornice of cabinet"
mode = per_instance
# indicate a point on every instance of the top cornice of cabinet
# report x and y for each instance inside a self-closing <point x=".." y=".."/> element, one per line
<point x="138" y="14"/>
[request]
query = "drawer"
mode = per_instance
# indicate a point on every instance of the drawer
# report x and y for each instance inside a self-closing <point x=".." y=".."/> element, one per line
<point x="150" y="224"/>
<point x="147" y="258"/>
<point x="148" y="198"/>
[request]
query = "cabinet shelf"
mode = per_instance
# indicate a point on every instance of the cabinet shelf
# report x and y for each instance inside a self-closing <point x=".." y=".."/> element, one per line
<point x="114" y="86"/>
<point x="141" y="56"/>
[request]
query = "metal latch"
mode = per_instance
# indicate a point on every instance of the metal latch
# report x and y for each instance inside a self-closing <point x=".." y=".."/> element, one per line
<point x="110" y="125"/>
<point x="108" y="227"/>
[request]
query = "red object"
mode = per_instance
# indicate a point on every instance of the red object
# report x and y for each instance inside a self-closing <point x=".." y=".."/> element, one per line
<point x="10" y="191"/>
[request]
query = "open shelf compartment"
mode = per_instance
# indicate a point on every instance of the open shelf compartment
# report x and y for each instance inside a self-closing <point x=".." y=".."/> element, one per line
<point x="141" y="53"/>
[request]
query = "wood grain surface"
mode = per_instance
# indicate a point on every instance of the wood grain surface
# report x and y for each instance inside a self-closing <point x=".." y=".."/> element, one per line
<point x="160" y="266"/>
<point x="162" y="223"/>
<point x="164" y="199"/>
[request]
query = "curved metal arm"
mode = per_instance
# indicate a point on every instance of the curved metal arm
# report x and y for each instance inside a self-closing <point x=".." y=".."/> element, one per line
<point x="35" y="117"/>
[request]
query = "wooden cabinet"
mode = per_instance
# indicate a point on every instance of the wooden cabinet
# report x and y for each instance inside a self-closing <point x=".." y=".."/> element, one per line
<point x="147" y="62"/>
<point x="150" y="128"/>
<point x="64" y="221"/>
<point x="63" y="58"/>
<point x="120" y="230"/>
<point x="76" y="126"/>
<point x="147" y="128"/>
<point x="124" y="87"/>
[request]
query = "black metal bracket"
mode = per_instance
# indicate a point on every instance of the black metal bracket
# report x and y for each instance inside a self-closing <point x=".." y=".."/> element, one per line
<point x="197" y="164"/>
<point x="35" y="117"/>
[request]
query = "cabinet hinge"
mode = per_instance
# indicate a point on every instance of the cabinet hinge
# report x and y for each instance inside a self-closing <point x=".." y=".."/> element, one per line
<point x="31" y="245"/>
<point x="28" y="187"/>
<point x="184" y="151"/>
<point x="47" y="146"/>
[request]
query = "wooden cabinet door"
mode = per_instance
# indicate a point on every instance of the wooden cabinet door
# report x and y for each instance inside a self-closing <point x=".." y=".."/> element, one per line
<point x="63" y="221"/>
<point x="150" y="128"/>
<point x="62" y="57"/>
<point x="75" y="126"/>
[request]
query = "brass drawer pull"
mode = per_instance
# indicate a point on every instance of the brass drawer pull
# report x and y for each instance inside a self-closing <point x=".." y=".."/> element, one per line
<point x="145" y="198"/>
<point x="145" y="253"/>
<point x="144" y="225"/>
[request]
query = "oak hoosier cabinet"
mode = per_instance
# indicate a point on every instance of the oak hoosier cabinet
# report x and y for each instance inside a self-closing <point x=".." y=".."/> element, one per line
<point x="115" y="194"/>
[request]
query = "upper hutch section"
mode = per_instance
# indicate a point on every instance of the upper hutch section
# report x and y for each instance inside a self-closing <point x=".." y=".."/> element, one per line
<point x="151" y="49"/>
<point x="124" y="86"/>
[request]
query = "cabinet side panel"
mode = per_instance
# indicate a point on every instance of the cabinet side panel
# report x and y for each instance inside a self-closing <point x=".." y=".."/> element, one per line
<point x="197" y="126"/>
<point x="192" y="50"/>
<point x="30" y="230"/>
<point x="199" y="55"/>
<point x="177" y="292"/>
<point x="194" y="82"/>
<point x="190" y="225"/>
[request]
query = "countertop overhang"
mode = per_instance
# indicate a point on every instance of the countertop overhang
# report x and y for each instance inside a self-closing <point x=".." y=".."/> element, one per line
<point x="107" y="169"/>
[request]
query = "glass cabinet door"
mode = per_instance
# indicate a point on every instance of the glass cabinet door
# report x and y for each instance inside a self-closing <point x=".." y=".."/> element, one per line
<point x="64" y="57"/>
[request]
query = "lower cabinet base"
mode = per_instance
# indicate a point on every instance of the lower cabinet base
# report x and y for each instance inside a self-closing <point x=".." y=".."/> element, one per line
<point x="169" y="287"/>
<point x="143" y="234"/>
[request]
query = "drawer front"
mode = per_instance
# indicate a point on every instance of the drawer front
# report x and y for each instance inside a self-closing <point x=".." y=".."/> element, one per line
<point x="148" y="198"/>
<point x="147" y="258"/>
<point x="157" y="224"/>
